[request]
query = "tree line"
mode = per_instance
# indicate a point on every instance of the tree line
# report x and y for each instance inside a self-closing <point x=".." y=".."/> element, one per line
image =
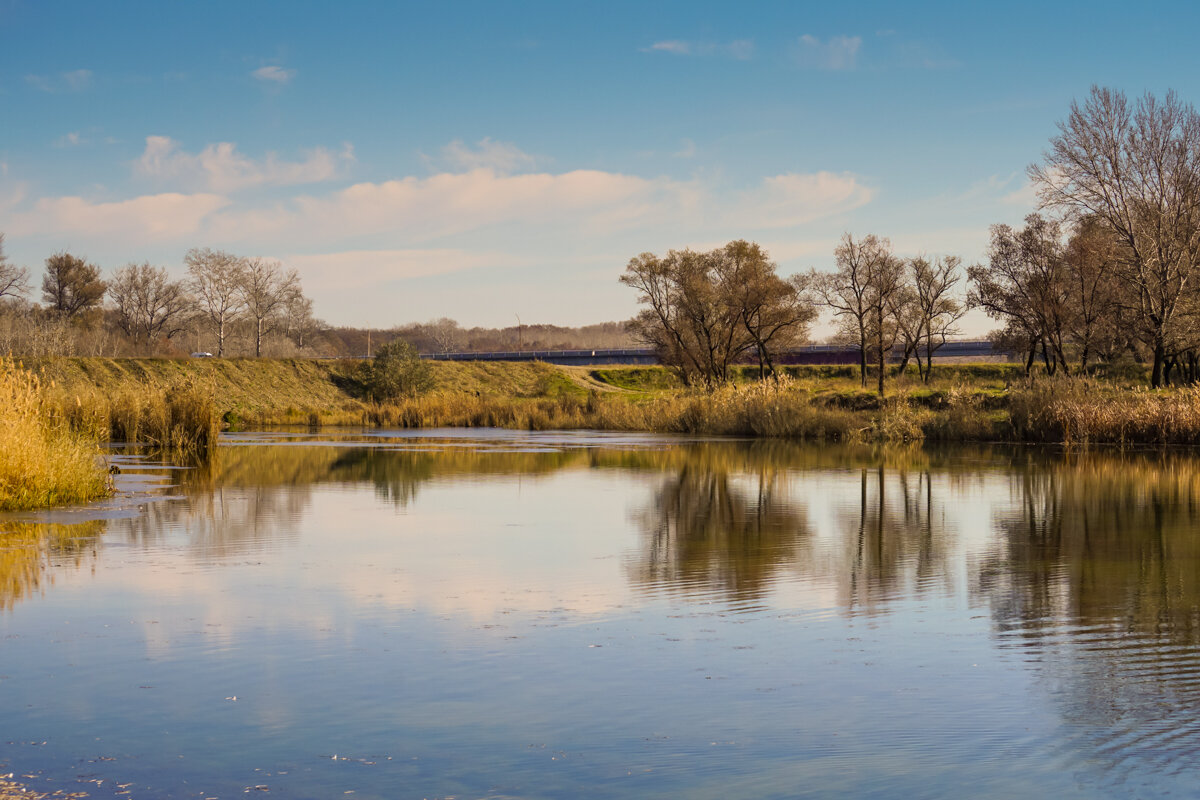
<point x="141" y="301"/>
<point x="705" y="312"/>
<point x="1109" y="272"/>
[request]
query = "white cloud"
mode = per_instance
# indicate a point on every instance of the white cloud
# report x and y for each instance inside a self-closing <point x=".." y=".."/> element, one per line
<point x="839" y="53"/>
<point x="501" y="156"/>
<point x="797" y="198"/>
<point x="273" y="73"/>
<point x="160" y="216"/>
<point x="447" y="203"/>
<point x="740" y="49"/>
<point x="221" y="168"/>
<point x="73" y="81"/>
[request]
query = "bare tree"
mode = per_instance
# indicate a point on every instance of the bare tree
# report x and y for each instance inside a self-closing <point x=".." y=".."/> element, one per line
<point x="215" y="279"/>
<point x="688" y="317"/>
<point x="1138" y="170"/>
<point x="937" y="310"/>
<point x="446" y="334"/>
<point x="1092" y="258"/>
<point x="265" y="290"/>
<point x="147" y="302"/>
<point x="299" y="323"/>
<point x="861" y="295"/>
<point x="773" y="311"/>
<point x="1026" y="284"/>
<point x="71" y="285"/>
<point x="14" y="280"/>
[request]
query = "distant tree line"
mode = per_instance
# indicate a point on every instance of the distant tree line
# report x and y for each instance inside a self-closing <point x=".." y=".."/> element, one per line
<point x="140" y="309"/>
<point x="228" y="305"/>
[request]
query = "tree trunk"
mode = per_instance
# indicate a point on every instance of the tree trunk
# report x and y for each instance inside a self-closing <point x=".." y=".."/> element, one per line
<point x="1156" y="373"/>
<point x="862" y="360"/>
<point x="879" y="328"/>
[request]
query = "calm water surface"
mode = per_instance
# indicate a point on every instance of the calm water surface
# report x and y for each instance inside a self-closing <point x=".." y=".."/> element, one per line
<point x="499" y="614"/>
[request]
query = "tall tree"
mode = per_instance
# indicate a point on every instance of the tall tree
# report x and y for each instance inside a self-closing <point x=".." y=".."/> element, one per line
<point x="689" y="318"/>
<point x="71" y="285"/>
<point x="705" y="310"/>
<point x="215" y="279"/>
<point x="774" y="312"/>
<point x="265" y="290"/>
<point x="14" y="280"/>
<point x="861" y="293"/>
<point x="1091" y="258"/>
<point x="937" y="309"/>
<point x="148" y="303"/>
<point x="1138" y="170"/>
<point x="1026" y="284"/>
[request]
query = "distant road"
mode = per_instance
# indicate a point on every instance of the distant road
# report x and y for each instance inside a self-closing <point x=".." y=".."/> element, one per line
<point x="810" y="354"/>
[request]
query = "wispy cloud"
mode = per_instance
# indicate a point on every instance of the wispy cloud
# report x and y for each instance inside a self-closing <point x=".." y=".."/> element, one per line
<point x="72" y="81"/>
<point x="792" y="199"/>
<point x="274" y="74"/>
<point x="221" y="168"/>
<point x="740" y="49"/>
<point x="72" y="139"/>
<point x="687" y="149"/>
<point x="838" y="53"/>
<point x="500" y="156"/>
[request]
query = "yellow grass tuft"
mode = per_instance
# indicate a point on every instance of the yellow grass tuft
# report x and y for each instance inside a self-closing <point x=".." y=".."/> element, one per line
<point x="43" y="462"/>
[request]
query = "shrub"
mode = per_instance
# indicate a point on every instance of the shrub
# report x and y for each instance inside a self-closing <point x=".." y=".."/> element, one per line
<point x="397" y="371"/>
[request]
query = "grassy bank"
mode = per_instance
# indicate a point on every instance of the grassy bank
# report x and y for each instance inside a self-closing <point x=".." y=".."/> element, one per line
<point x="145" y="399"/>
<point x="44" y="461"/>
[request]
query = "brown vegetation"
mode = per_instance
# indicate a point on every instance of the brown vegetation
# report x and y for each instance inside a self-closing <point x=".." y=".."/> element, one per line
<point x="43" y="460"/>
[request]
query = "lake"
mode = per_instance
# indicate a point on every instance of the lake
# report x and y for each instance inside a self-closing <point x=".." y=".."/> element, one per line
<point x="483" y="613"/>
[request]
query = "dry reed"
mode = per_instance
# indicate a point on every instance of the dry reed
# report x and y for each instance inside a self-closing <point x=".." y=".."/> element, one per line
<point x="43" y="460"/>
<point x="181" y="418"/>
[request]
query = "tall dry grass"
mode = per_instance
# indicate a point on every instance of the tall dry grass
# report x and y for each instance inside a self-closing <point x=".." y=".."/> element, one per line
<point x="43" y="460"/>
<point x="181" y="418"/>
<point x="775" y="409"/>
<point x="1084" y="410"/>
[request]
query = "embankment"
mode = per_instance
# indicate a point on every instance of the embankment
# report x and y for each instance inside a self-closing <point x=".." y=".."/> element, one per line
<point x="986" y="402"/>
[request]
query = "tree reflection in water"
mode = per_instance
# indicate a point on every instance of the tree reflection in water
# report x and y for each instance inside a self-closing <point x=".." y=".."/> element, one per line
<point x="1096" y="575"/>
<point x="709" y="532"/>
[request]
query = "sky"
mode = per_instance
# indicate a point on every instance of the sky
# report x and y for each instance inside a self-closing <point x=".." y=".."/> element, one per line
<point x="489" y="161"/>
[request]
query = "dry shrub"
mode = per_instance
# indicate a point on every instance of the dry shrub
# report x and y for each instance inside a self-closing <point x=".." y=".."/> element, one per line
<point x="1081" y="410"/>
<point x="43" y="462"/>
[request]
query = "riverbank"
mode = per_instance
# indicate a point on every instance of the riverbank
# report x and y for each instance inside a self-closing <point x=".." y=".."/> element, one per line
<point x="962" y="402"/>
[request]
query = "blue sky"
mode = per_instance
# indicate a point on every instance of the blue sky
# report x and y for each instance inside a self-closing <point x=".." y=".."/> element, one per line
<point x="487" y="160"/>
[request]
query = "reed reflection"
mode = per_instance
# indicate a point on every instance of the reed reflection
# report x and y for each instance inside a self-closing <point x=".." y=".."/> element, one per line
<point x="31" y="554"/>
